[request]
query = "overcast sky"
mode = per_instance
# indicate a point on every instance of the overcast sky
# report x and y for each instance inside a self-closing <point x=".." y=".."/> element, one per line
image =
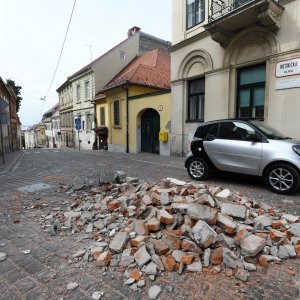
<point x="32" y="33"/>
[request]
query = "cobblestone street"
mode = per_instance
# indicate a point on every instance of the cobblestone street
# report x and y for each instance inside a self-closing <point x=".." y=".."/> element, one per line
<point x="44" y="272"/>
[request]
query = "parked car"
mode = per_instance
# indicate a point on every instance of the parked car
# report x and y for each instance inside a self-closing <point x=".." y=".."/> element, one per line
<point x="245" y="147"/>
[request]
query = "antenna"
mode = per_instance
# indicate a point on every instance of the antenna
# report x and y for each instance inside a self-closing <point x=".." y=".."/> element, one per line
<point x="90" y="46"/>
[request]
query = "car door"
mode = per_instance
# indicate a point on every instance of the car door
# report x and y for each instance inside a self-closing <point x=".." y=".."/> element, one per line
<point x="232" y="152"/>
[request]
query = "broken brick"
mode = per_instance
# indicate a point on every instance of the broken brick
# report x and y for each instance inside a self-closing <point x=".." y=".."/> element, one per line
<point x="169" y="262"/>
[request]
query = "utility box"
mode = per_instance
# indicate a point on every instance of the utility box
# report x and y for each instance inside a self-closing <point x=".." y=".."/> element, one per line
<point x="163" y="136"/>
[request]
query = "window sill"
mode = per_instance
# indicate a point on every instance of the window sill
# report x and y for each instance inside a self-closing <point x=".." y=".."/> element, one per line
<point x="117" y="127"/>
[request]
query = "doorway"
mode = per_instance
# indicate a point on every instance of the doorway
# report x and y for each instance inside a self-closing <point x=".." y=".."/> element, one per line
<point x="150" y="126"/>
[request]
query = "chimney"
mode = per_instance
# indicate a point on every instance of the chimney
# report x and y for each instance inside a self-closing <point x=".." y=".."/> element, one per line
<point x="132" y="31"/>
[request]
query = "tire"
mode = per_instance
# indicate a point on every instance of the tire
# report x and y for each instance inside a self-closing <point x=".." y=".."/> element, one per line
<point x="282" y="179"/>
<point x="198" y="169"/>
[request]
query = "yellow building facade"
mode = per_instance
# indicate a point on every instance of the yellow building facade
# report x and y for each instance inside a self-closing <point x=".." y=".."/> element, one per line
<point x="129" y="134"/>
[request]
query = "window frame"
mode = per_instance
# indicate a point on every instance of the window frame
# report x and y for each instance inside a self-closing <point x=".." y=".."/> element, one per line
<point x="78" y="92"/>
<point x="190" y="95"/>
<point x="116" y="115"/>
<point x="122" y="55"/>
<point x="251" y="87"/>
<point x="102" y="116"/>
<point x="201" y="20"/>
<point x="87" y="90"/>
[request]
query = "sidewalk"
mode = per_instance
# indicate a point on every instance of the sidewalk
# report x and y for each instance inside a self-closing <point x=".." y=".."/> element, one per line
<point x="11" y="159"/>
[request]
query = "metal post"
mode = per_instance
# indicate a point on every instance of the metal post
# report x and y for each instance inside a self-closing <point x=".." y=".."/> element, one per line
<point x="78" y="140"/>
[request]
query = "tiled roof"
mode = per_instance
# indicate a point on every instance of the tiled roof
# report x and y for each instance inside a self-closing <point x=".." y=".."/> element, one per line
<point x="152" y="69"/>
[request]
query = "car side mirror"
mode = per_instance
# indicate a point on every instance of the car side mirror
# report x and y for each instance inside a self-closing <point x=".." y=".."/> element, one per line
<point x="252" y="137"/>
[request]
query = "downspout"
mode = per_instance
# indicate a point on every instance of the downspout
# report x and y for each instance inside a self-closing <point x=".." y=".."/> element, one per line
<point x="95" y="125"/>
<point x="126" y="87"/>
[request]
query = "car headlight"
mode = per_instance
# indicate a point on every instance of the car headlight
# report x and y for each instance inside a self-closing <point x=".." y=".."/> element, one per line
<point x="296" y="148"/>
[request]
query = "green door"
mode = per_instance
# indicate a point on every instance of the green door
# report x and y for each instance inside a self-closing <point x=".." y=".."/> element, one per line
<point x="150" y="122"/>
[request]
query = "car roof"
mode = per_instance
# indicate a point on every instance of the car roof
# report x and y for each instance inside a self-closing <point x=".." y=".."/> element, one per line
<point x="226" y="120"/>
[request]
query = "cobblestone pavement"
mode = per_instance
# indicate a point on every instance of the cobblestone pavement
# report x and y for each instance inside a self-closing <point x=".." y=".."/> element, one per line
<point x="45" y="271"/>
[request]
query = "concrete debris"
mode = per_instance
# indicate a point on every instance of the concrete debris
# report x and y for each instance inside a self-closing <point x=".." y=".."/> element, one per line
<point x="3" y="256"/>
<point x="234" y="210"/>
<point x="72" y="286"/>
<point x="97" y="295"/>
<point x="154" y="292"/>
<point x="145" y="229"/>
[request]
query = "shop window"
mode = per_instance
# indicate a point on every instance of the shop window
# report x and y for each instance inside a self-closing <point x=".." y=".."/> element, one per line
<point x="251" y="92"/>
<point x="195" y="12"/>
<point x="196" y="96"/>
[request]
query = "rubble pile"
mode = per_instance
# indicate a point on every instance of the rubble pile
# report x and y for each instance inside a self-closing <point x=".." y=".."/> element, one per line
<point x="145" y="229"/>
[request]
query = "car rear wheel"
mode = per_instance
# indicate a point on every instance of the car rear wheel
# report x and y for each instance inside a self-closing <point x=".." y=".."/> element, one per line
<point x="197" y="169"/>
<point x="282" y="179"/>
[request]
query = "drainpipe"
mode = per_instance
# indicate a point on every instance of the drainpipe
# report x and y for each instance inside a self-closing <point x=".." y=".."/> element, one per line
<point x="126" y="87"/>
<point x="95" y="125"/>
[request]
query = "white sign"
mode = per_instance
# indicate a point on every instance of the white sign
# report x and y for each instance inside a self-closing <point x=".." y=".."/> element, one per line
<point x="288" y="67"/>
<point x="287" y="83"/>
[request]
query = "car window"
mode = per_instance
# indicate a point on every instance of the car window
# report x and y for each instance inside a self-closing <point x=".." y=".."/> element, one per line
<point x="207" y="130"/>
<point x="235" y="131"/>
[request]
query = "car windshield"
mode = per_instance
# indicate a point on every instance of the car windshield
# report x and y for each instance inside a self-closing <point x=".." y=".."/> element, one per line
<point x="270" y="132"/>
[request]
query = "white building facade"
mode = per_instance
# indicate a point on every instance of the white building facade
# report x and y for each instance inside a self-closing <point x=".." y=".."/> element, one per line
<point x="234" y="59"/>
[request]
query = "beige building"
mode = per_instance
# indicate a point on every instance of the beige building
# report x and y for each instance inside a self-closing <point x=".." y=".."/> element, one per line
<point x="76" y="95"/>
<point x="135" y="106"/>
<point x="234" y="59"/>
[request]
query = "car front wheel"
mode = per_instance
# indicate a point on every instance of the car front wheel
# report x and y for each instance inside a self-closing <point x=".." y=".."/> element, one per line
<point x="197" y="169"/>
<point x="282" y="179"/>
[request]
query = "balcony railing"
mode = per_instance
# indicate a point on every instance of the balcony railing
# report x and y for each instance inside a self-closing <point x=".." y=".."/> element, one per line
<point x="220" y="8"/>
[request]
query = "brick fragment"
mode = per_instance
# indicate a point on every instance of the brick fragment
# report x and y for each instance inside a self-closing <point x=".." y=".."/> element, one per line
<point x="276" y="224"/>
<point x="297" y="250"/>
<point x="172" y="241"/>
<point x="240" y="236"/>
<point x="165" y="217"/>
<point x="226" y="223"/>
<point x="187" y="259"/>
<point x="202" y="212"/>
<point x="119" y="242"/>
<point x="142" y="256"/>
<point x="103" y="259"/>
<point x="153" y="224"/>
<point x="276" y="235"/>
<point x="234" y="210"/>
<point x="147" y="200"/>
<point x="160" y="246"/>
<point x="216" y="256"/>
<point x="114" y="204"/>
<point x="189" y="246"/>
<point x="252" y="245"/>
<point x="136" y="274"/>
<point x="204" y="234"/>
<point x="263" y="261"/>
<point x="174" y="232"/>
<point x="139" y="227"/>
<point x="137" y="240"/>
<point x="169" y="262"/>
